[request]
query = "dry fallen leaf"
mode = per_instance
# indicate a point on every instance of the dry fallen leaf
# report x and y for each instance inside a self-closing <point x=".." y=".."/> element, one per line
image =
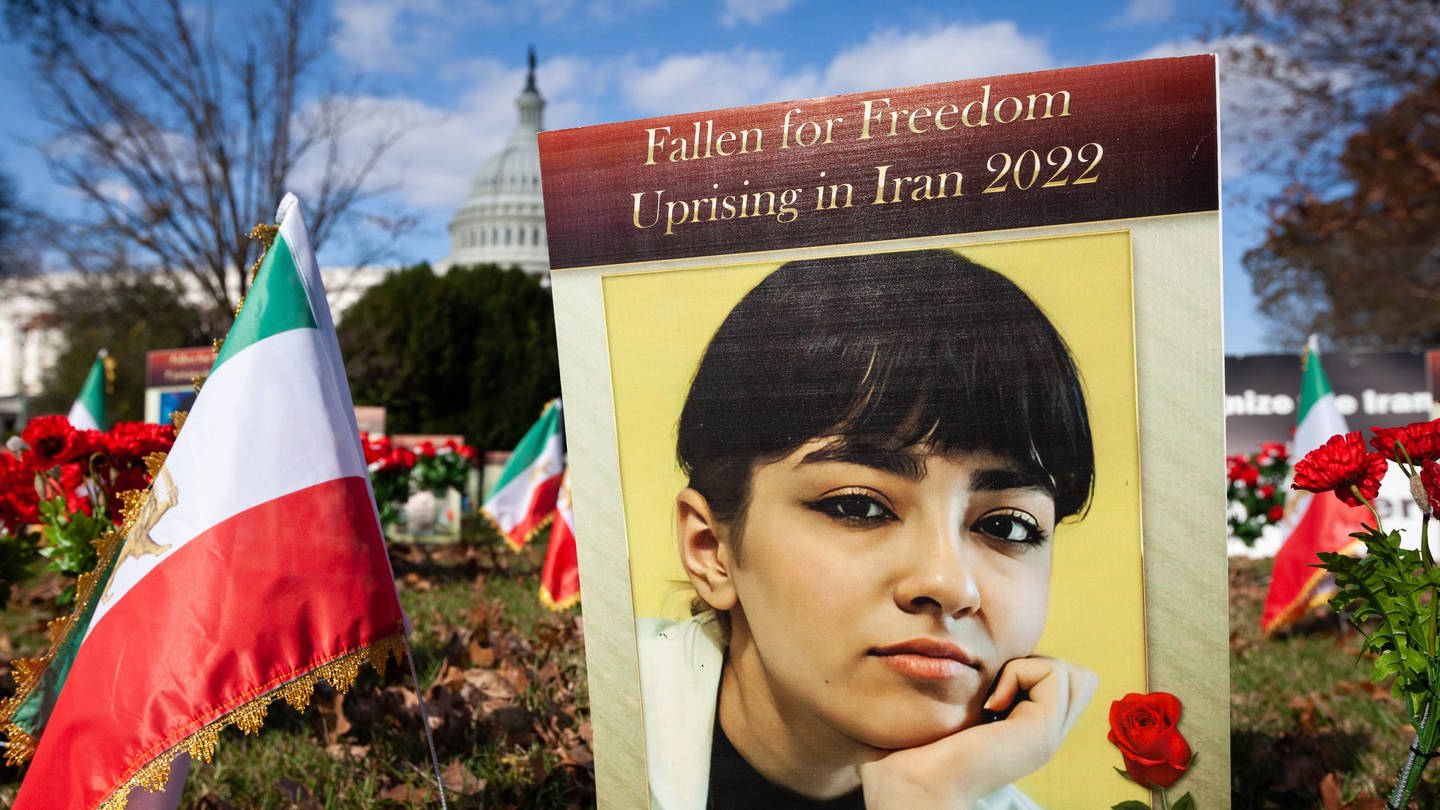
<point x="459" y="779"/>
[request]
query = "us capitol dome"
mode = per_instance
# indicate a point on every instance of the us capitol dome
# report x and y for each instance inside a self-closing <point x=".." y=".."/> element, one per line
<point x="502" y="220"/>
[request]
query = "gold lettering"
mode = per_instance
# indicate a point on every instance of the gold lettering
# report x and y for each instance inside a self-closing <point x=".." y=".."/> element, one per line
<point x="1000" y="110"/>
<point x="948" y="109"/>
<point x="1049" y="100"/>
<point x="925" y="111"/>
<point x="984" y="102"/>
<point x="869" y="116"/>
<point x="654" y="144"/>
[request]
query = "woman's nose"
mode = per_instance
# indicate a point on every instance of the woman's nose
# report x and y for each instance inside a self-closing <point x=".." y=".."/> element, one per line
<point x="940" y="576"/>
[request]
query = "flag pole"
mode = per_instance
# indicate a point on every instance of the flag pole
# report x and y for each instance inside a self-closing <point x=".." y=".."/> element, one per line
<point x="425" y="721"/>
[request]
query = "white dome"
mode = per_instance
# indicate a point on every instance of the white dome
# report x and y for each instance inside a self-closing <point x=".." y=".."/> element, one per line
<point x="503" y="218"/>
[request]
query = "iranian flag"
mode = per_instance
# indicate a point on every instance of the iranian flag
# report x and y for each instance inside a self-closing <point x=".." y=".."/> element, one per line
<point x="88" y="412"/>
<point x="523" y="501"/>
<point x="1316" y="523"/>
<point x="560" y="576"/>
<point x="255" y="566"/>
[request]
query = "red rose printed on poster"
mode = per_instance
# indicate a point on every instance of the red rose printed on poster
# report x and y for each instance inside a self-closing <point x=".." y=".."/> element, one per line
<point x="1146" y="730"/>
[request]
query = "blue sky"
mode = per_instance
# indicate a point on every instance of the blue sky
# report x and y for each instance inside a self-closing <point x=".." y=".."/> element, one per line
<point x="451" y="70"/>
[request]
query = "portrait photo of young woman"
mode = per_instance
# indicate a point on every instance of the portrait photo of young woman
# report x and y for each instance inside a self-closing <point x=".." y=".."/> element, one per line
<point x="866" y="591"/>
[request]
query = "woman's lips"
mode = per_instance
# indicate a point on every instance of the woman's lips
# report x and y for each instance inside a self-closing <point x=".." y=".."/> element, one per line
<point x="926" y="659"/>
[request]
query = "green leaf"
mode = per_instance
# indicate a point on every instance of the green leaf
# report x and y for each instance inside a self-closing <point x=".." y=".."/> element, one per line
<point x="1131" y="805"/>
<point x="1186" y="802"/>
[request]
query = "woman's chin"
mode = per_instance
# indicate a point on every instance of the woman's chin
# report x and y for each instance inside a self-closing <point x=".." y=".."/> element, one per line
<point x="893" y="732"/>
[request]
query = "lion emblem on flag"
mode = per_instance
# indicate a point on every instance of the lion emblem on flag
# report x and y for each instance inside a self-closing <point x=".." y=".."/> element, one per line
<point x="138" y="542"/>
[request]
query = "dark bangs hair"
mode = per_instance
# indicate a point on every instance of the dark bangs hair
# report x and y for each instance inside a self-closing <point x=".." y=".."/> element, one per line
<point x="885" y="352"/>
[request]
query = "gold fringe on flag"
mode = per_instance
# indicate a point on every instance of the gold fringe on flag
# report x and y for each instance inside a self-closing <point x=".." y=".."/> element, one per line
<point x="564" y="604"/>
<point x="250" y="715"/>
<point x="266" y="236"/>
<point x="529" y="536"/>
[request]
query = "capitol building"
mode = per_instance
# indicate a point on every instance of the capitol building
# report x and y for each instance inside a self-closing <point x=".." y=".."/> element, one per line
<point x="501" y="221"/>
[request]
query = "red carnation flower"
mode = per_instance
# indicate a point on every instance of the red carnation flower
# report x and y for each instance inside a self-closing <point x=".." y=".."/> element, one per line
<point x="1276" y="513"/>
<point x="52" y="441"/>
<point x="1420" y="440"/>
<point x="1342" y="466"/>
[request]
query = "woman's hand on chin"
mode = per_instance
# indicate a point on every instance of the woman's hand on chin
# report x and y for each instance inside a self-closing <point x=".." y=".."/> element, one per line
<point x="955" y="771"/>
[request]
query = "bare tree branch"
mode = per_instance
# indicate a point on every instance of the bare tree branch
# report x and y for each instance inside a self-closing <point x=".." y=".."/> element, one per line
<point x="181" y="129"/>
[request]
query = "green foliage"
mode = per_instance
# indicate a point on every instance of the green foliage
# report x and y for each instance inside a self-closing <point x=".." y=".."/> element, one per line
<point x="1393" y="587"/>
<point x="471" y="352"/>
<point x="1398" y="590"/>
<point x="392" y="490"/>
<point x="69" y="540"/>
<point x="128" y="313"/>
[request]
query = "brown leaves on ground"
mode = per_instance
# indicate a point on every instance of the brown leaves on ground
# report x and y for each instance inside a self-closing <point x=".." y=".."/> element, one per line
<point x="517" y="692"/>
<point x="1332" y="796"/>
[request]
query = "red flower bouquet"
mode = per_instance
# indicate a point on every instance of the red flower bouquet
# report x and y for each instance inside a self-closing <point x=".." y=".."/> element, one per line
<point x="1392" y="591"/>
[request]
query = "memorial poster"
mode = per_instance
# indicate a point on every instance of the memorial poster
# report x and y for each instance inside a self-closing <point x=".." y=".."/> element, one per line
<point x="822" y="327"/>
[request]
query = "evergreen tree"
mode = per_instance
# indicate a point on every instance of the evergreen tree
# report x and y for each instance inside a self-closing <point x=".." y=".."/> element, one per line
<point x="470" y="352"/>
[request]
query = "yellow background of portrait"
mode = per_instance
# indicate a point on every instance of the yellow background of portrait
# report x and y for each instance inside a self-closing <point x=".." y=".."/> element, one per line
<point x="658" y="324"/>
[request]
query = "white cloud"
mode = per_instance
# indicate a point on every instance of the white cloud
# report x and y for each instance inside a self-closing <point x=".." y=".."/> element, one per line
<point x="709" y="80"/>
<point x="736" y="12"/>
<point x="1145" y="12"/>
<point x="888" y="58"/>
<point x="894" y="58"/>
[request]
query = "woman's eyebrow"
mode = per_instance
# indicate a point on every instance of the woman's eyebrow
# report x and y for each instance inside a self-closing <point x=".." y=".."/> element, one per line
<point x="1003" y="478"/>
<point x="895" y="462"/>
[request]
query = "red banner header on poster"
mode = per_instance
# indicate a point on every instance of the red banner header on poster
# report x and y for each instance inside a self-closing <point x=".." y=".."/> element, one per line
<point x="1084" y="144"/>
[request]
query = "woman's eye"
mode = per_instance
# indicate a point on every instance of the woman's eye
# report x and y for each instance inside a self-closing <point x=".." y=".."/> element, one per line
<point x="859" y="508"/>
<point x="1012" y="527"/>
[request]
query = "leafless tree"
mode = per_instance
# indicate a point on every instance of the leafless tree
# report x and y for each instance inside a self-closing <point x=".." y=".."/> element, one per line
<point x="182" y="127"/>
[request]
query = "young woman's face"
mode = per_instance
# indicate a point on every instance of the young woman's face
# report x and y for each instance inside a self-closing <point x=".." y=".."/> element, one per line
<point x="879" y="594"/>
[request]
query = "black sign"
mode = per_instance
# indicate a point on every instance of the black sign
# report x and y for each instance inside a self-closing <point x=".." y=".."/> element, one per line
<point x="1372" y="389"/>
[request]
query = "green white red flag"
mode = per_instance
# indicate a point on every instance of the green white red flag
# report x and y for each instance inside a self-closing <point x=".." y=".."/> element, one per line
<point x="88" y="412"/>
<point x="560" y="576"/>
<point x="255" y="567"/>
<point x="1317" y="523"/>
<point x="523" y="501"/>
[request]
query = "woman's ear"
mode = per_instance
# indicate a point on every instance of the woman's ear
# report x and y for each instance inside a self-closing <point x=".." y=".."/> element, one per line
<point x="705" y="550"/>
